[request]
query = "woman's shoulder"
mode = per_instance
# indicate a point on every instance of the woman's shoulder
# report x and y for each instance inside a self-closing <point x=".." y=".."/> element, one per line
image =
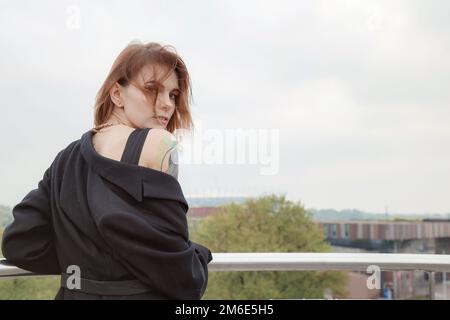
<point x="160" y="137"/>
<point x="159" y="146"/>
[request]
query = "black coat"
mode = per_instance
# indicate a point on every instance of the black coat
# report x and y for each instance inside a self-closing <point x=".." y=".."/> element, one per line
<point x="116" y="221"/>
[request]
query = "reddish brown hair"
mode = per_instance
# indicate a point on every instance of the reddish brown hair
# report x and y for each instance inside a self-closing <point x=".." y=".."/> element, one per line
<point x="127" y="66"/>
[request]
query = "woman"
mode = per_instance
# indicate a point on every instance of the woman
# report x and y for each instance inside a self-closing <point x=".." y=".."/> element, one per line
<point x="109" y="214"/>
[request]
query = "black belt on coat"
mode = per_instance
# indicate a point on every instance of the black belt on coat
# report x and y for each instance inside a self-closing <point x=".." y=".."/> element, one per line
<point x="124" y="287"/>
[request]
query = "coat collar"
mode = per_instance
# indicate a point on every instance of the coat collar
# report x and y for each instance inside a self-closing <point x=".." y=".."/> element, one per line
<point x="138" y="181"/>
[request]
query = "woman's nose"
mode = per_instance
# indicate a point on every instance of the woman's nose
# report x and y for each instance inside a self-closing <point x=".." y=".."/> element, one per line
<point x="165" y="102"/>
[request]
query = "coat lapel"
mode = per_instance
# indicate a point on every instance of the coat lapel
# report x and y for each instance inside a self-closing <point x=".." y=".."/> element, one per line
<point x="138" y="181"/>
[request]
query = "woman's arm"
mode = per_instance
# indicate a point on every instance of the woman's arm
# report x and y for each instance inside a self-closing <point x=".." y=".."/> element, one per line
<point x="28" y="240"/>
<point x="161" y="152"/>
<point x="169" y="164"/>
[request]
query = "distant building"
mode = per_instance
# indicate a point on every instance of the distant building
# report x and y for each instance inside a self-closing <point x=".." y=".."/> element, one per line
<point x="391" y="236"/>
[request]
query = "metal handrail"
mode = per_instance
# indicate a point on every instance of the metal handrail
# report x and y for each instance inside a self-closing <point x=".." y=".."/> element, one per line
<point x="269" y="261"/>
<point x="277" y="261"/>
<point x="292" y="261"/>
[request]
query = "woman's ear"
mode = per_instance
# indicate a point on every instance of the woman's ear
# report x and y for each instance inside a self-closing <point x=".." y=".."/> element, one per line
<point x="114" y="94"/>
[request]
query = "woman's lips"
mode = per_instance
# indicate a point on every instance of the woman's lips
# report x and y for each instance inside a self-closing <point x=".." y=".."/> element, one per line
<point x="161" y="119"/>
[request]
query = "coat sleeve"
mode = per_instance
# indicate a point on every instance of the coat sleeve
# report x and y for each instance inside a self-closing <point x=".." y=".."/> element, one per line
<point x="28" y="240"/>
<point x="157" y="254"/>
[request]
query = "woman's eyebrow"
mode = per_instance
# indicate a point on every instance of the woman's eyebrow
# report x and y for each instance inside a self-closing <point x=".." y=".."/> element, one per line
<point x="160" y="84"/>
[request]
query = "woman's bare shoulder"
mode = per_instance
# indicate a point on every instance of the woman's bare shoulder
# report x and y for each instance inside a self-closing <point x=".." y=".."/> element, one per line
<point x="158" y="147"/>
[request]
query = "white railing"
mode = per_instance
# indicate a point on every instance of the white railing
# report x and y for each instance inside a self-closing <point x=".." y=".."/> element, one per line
<point x="270" y="261"/>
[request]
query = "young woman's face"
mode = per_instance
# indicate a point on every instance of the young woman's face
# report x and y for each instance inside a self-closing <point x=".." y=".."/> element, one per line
<point x="139" y="108"/>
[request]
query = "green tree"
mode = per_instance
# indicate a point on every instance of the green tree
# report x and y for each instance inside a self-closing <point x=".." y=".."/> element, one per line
<point x="268" y="224"/>
<point x="5" y="215"/>
<point x="29" y="288"/>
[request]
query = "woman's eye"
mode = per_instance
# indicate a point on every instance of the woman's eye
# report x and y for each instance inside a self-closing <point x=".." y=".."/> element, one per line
<point x="173" y="96"/>
<point x="151" y="89"/>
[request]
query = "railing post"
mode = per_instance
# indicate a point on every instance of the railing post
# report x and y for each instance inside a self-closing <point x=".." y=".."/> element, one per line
<point x="444" y="281"/>
<point x="396" y="293"/>
<point x="432" y="285"/>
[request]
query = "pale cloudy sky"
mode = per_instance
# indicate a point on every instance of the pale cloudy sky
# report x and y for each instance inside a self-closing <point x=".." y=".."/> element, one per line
<point x="358" y="91"/>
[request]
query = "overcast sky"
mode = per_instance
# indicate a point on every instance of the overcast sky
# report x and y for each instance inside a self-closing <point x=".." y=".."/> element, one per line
<point x="358" y="92"/>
